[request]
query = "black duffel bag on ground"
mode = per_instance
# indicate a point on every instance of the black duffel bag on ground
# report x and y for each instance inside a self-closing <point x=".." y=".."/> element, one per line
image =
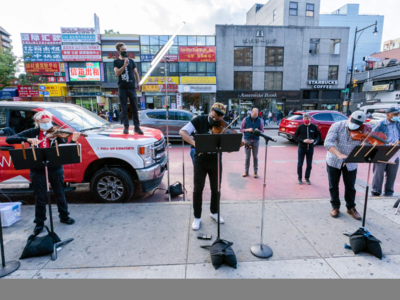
<point x="40" y="245"/>
<point x="176" y="189"/>
<point x="363" y="241"/>
<point x="222" y="252"/>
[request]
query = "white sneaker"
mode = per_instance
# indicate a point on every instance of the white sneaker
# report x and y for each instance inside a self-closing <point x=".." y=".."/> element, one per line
<point x="196" y="224"/>
<point x="215" y="218"/>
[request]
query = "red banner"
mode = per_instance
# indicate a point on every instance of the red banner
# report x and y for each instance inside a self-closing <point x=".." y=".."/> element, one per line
<point x="60" y="79"/>
<point x="197" y="54"/>
<point x="27" y="91"/>
<point x="171" y="88"/>
<point x="42" y="67"/>
<point x="41" y="38"/>
<point x="81" y="53"/>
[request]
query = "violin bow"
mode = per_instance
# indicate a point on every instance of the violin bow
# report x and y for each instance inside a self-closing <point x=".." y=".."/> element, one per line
<point x="229" y="125"/>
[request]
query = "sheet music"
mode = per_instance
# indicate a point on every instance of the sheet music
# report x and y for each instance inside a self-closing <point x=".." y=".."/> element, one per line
<point x="395" y="156"/>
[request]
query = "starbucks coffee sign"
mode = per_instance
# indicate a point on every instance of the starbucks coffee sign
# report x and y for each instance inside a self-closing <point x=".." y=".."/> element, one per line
<point x="322" y="84"/>
<point x="258" y="95"/>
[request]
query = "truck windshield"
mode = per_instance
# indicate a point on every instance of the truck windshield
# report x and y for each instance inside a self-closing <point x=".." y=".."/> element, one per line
<point x="82" y="118"/>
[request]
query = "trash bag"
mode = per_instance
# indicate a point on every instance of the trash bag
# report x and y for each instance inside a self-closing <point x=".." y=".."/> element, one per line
<point x="363" y="241"/>
<point x="222" y="252"/>
<point x="39" y="246"/>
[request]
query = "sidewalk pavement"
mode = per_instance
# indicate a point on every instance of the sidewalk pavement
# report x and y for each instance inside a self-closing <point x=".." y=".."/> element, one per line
<point x="155" y="240"/>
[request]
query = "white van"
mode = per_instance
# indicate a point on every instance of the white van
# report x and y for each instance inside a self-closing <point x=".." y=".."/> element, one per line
<point x="372" y="108"/>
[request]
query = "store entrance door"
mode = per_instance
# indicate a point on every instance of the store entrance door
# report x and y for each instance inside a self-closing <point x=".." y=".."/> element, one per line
<point x="244" y="107"/>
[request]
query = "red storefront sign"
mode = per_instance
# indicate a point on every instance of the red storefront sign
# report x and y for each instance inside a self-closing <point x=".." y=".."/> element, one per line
<point x="42" y="67"/>
<point x="27" y="91"/>
<point x="171" y="87"/>
<point x="60" y="79"/>
<point x="41" y="38"/>
<point x="81" y="53"/>
<point x="197" y="54"/>
<point x="43" y="74"/>
<point x="116" y="55"/>
<point x="171" y="58"/>
<point x="51" y="79"/>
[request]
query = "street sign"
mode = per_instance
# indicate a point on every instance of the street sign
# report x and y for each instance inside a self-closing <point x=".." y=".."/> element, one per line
<point x="345" y="90"/>
<point x="42" y="88"/>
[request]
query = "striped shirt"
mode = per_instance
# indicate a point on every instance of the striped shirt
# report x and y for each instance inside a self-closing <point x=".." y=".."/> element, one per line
<point x="339" y="137"/>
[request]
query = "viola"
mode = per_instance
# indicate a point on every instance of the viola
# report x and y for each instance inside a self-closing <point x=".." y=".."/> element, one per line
<point x="56" y="131"/>
<point x="221" y="127"/>
<point x="364" y="134"/>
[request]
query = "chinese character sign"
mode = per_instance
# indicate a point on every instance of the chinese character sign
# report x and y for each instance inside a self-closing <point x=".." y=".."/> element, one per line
<point x="42" y="53"/>
<point x="78" y="35"/>
<point x="150" y="57"/>
<point x="41" y="39"/>
<point x="27" y="91"/>
<point x="81" y="53"/>
<point x="42" y="67"/>
<point x="90" y="73"/>
<point x="199" y="54"/>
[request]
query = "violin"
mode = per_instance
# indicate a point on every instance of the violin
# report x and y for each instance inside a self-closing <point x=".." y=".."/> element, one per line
<point x="222" y="127"/>
<point x="56" y="131"/>
<point x="365" y="134"/>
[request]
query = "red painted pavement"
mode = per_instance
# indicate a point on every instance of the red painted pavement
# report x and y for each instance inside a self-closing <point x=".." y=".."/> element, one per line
<point x="281" y="177"/>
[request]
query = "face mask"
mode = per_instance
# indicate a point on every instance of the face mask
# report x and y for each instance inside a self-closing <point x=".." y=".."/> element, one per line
<point x="395" y="119"/>
<point x="46" y="126"/>
<point x="123" y="54"/>
<point x="306" y="122"/>
<point x="353" y="126"/>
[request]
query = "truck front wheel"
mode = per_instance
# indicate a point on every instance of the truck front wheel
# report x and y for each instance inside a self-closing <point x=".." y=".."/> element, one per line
<point x="112" y="185"/>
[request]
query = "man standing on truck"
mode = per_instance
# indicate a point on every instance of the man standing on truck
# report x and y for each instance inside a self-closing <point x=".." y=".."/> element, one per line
<point x="125" y="70"/>
<point x="37" y="138"/>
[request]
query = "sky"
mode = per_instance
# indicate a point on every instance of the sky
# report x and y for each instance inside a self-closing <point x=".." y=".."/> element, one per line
<point x="162" y="17"/>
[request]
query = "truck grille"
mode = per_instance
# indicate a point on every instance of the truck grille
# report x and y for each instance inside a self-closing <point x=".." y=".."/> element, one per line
<point x="159" y="150"/>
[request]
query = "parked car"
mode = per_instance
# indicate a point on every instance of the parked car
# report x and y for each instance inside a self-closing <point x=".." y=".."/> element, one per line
<point x="375" y="118"/>
<point x="321" y="118"/>
<point x="156" y="118"/>
<point x="378" y="107"/>
<point x="111" y="160"/>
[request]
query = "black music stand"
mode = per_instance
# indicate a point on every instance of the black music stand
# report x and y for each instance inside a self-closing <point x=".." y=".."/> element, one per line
<point x="371" y="154"/>
<point x="6" y="267"/>
<point x="218" y="143"/>
<point x="64" y="154"/>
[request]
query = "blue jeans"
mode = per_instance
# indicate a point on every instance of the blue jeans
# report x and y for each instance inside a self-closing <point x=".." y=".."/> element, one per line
<point x="308" y="153"/>
<point x="192" y="150"/>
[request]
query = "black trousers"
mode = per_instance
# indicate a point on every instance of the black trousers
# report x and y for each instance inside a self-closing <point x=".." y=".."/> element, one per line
<point x="201" y="169"/>
<point x="124" y="94"/>
<point x="56" y="179"/>
<point x="349" y="180"/>
<point x="308" y="153"/>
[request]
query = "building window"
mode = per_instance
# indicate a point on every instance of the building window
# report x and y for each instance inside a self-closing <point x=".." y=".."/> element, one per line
<point x="182" y="40"/>
<point x="110" y="73"/>
<point x="210" y="40"/>
<point x="273" y="81"/>
<point x="144" y="40"/>
<point x="243" y="80"/>
<point x="314" y="46"/>
<point x="201" y="41"/>
<point x="154" y="49"/>
<point x="310" y="94"/>
<point x="274" y="56"/>
<point x="312" y="72"/>
<point x="183" y="67"/>
<point x="191" y="41"/>
<point x="154" y="40"/>
<point x="145" y="67"/>
<point x="335" y="47"/>
<point x="394" y="45"/>
<point x="144" y="50"/>
<point x="331" y="95"/>
<point x="310" y="10"/>
<point x="243" y="56"/>
<point x="173" y="50"/>
<point x="164" y="39"/>
<point x="274" y="15"/>
<point x="333" y="72"/>
<point x="293" y="8"/>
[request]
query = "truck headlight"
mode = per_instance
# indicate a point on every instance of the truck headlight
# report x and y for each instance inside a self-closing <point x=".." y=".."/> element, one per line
<point x="146" y="153"/>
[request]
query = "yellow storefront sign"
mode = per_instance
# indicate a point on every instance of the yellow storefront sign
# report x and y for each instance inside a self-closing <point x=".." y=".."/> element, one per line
<point x="161" y="80"/>
<point x="150" y="88"/>
<point x="198" y="80"/>
<point x="382" y="87"/>
<point x="56" y="89"/>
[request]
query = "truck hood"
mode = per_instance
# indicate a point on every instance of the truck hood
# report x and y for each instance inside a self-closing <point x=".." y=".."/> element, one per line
<point x="115" y="131"/>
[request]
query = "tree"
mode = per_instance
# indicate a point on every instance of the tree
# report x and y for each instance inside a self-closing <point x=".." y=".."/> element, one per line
<point x="111" y="31"/>
<point x="30" y="80"/>
<point x="9" y="65"/>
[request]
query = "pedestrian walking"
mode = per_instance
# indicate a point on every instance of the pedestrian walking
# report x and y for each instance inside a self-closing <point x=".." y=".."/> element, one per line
<point x="126" y="71"/>
<point x="116" y="114"/>
<point x="391" y="128"/>
<point x="305" y="135"/>
<point x="269" y="117"/>
<point x="249" y="124"/>
<point x="235" y="118"/>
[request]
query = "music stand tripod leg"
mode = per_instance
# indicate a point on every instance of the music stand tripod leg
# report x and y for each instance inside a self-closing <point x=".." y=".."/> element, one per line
<point x="6" y="267"/>
<point x="366" y="195"/>
<point x="261" y="250"/>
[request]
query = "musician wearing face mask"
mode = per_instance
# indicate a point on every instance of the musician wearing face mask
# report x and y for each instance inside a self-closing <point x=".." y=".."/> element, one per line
<point x="126" y="71"/>
<point x="305" y="135"/>
<point x="204" y="163"/>
<point x="339" y="144"/>
<point x="249" y="124"/>
<point x="37" y="138"/>
<point x="391" y="128"/>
